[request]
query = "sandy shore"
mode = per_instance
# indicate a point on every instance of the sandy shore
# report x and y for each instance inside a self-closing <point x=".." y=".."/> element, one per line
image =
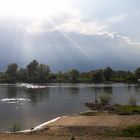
<point x="81" y="127"/>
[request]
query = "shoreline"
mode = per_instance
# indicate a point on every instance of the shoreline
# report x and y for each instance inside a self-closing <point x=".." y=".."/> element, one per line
<point x="60" y="121"/>
<point x="79" y="127"/>
<point x="40" y="126"/>
<point x="49" y="123"/>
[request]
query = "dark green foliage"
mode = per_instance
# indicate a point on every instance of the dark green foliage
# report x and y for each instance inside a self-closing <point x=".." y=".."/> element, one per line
<point x="40" y="73"/>
<point x="22" y="75"/>
<point x="137" y="73"/>
<point x="37" y="73"/>
<point x="3" y="78"/>
<point x="43" y="73"/>
<point x="97" y="76"/>
<point x="32" y="70"/>
<point x="73" y="75"/>
<point x="12" y="72"/>
<point x="108" y="73"/>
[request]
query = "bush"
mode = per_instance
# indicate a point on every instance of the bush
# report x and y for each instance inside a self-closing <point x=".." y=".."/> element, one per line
<point x="126" y="109"/>
<point x="105" y="99"/>
<point x="15" y="127"/>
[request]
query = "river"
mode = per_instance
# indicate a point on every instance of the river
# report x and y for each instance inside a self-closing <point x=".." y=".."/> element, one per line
<point x="31" y="105"/>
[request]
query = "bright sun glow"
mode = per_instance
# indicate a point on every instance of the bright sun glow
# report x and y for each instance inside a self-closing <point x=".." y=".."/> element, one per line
<point x="32" y="8"/>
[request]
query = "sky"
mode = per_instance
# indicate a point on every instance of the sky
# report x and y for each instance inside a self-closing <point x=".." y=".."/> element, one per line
<point x="67" y="34"/>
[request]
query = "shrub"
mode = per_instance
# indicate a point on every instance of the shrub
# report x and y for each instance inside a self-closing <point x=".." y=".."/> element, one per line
<point x="15" y="127"/>
<point x="105" y="99"/>
<point x="126" y="109"/>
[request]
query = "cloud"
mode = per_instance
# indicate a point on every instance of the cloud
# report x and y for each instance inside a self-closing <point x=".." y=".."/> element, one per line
<point x="120" y="38"/>
<point x="71" y="20"/>
<point x="66" y="41"/>
<point x="63" y="51"/>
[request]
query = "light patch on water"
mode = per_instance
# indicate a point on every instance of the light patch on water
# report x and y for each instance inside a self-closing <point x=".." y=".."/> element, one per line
<point x="30" y="86"/>
<point x="14" y="100"/>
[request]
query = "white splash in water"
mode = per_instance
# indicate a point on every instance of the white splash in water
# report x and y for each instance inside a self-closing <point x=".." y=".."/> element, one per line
<point x="30" y="86"/>
<point x="14" y="100"/>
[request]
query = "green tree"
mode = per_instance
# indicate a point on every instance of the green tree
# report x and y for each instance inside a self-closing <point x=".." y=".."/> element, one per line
<point x="108" y="73"/>
<point x="137" y="73"/>
<point x="3" y="78"/>
<point x="12" y="72"/>
<point x="43" y="72"/>
<point x="60" y="76"/>
<point x="32" y="70"/>
<point x="22" y="75"/>
<point x="97" y="76"/>
<point x="73" y="75"/>
<point x="130" y="77"/>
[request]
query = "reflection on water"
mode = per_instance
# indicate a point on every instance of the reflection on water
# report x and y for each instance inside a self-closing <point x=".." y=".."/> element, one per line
<point x="37" y="104"/>
<point x="11" y="91"/>
<point x="37" y="95"/>
<point x="108" y="89"/>
<point x="74" y="90"/>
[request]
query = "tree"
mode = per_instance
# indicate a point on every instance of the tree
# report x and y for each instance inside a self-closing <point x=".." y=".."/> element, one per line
<point x="130" y="77"/>
<point x="22" y="75"/>
<point x="43" y="72"/>
<point x="32" y="69"/>
<point x="3" y="78"/>
<point x="97" y="76"/>
<point x="137" y="73"/>
<point x="73" y="75"/>
<point x="12" y="72"/>
<point x="108" y="73"/>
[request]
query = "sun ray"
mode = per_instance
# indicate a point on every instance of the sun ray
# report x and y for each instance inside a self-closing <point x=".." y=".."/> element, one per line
<point x="76" y="45"/>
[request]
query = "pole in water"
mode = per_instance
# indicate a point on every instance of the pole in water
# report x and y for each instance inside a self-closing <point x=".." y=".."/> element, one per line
<point x="95" y="94"/>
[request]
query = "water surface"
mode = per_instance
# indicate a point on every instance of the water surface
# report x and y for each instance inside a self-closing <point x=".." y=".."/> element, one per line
<point x="33" y="104"/>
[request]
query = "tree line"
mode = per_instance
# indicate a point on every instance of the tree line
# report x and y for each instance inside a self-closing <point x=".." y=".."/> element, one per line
<point x="41" y="73"/>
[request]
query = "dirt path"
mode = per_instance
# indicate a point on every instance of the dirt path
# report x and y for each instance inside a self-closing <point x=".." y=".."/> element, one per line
<point x="81" y="127"/>
<point x="107" y="120"/>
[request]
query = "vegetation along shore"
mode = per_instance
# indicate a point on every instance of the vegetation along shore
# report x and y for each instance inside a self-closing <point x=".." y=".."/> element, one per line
<point x="35" y="72"/>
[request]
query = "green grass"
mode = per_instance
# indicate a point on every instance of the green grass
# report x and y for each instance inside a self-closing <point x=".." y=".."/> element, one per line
<point x="130" y="131"/>
<point x="126" y="109"/>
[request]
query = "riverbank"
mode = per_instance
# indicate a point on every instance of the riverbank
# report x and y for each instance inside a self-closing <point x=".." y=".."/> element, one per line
<point x="79" y="127"/>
